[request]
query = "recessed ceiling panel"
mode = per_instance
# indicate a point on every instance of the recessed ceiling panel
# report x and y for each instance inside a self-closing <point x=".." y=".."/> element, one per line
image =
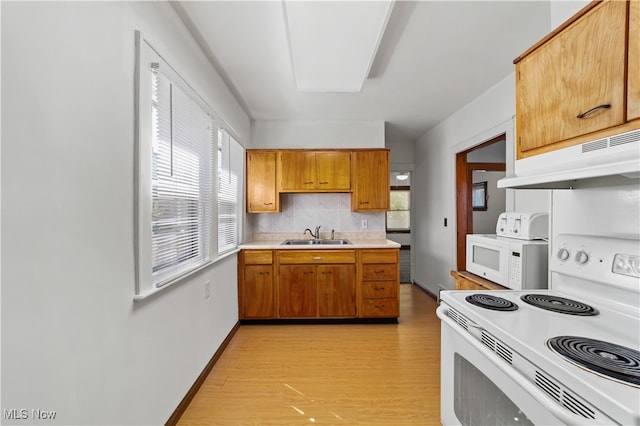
<point x="333" y="44"/>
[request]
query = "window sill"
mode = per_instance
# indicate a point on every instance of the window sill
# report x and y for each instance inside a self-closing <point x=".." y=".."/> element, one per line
<point x="155" y="290"/>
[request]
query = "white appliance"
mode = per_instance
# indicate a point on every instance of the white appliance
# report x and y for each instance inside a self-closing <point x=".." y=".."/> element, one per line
<point x="523" y="226"/>
<point x="568" y="355"/>
<point x="574" y="166"/>
<point x="516" y="264"/>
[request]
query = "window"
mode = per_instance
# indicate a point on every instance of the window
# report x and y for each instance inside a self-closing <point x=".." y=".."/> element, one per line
<point x="189" y="172"/>
<point x="398" y="214"/>
<point x="479" y="196"/>
<point x="230" y="172"/>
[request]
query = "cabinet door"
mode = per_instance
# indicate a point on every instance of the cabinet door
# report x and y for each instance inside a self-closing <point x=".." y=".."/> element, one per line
<point x="333" y="171"/>
<point x="298" y="291"/>
<point x="297" y="171"/>
<point x="262" y="196"/>
<point x="370" y="181"/>
<point x="633" y="89"/>
<point x="256" y="292"/>
<point x="336" y="290"/>
<point x="579" y="70"/>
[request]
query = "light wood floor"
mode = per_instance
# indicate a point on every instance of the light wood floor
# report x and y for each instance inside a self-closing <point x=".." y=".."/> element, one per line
<point x="361" y="374"/>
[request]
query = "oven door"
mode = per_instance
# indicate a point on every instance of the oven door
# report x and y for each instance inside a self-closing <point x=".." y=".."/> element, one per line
<point x="478" y="388"/>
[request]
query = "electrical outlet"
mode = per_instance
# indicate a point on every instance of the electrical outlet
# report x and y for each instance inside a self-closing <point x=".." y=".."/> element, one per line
<point x="363" y="224"/>
<point x="207" y="289"/>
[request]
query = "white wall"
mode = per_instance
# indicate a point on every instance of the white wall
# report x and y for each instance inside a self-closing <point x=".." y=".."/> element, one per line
<point x="562" y="10"/>
<point x="484" y="222"/>
<point x="73" y="340"/>
<point x="317" y="134"/>
<point x="434" y="179"/>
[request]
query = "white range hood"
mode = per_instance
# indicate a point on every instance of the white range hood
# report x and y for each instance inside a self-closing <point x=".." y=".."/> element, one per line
<point x="614" y="157"/>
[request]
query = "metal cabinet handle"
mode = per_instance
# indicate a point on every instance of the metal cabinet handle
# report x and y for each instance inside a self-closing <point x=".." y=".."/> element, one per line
<point x="364" y="202"/>
<point x="308" y="183"/>
<point x="323" y="183"/>
<point x="317" y="257"/>
<point x="268" y="204"/>
<point x="584" y="114"/>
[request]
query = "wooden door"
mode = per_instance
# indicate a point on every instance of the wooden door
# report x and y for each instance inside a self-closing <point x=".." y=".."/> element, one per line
<point x="262" y="196"/>
<point x="336" y="290"/>
<point x="297" y="291"/>
<point x="256" y="293"/>
<point x="297" y="171"/>
<point x="633" y="88"/>
<point x="562" y="87"/>
<point x="333" y="171"/>
<point x="370" y="181"/>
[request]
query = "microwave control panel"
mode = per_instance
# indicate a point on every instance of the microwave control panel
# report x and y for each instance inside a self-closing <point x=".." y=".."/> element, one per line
<point x="515" y="269"/>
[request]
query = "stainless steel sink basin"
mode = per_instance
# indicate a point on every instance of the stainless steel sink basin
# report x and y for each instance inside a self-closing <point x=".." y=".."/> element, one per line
<point x="315" y="242"/>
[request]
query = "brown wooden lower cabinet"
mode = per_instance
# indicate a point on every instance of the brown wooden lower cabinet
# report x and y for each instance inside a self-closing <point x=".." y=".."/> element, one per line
<point x="336" y="291"/>
<point x="304" y="284"/>
<point x="298" y="291"/>
<point x="256" y="295"/>
<point x="379" y="283"/>
<point x="467" y="281"/>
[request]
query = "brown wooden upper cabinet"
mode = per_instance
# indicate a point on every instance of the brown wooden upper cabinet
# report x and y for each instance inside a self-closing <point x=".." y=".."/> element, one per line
<point x="314" y="171"/>
<point x="370" y="181"/>
<point x="262" y="194"/>
<point x="573" y="84"/>
<point x="633" y="85"/>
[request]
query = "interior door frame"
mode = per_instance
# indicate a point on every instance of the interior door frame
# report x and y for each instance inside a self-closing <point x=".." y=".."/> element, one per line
<point x="464" y="209"/>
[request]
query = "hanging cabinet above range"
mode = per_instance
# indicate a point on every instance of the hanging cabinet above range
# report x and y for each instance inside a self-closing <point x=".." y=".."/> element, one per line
<point x="572" y="86"/>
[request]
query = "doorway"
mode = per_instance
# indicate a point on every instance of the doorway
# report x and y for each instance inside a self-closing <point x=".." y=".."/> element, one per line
<point x="483" y="165"/>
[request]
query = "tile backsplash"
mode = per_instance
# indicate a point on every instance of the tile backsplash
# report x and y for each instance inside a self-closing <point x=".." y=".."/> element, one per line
<point x="331" y="211"/>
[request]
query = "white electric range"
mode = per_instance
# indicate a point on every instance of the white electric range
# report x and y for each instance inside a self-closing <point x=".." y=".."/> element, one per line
<point x="568" y="355"/>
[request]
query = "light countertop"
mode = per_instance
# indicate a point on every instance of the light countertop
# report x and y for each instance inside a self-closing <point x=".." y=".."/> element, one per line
<point x="359" y="241"/>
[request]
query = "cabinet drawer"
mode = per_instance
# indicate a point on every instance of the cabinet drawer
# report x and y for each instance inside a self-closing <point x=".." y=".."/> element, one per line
<point x="258" y="257"/>
<point x="379" y="289"/>
<point x="380" y="308"/>
<point x="316" y="256"/>
<point x="380" y="256"/>
<point x="384" y="272"/>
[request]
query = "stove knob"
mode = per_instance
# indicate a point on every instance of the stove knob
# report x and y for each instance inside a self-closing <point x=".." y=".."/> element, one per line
<point x="582" y="257"/>
<point x="563" y="254"/>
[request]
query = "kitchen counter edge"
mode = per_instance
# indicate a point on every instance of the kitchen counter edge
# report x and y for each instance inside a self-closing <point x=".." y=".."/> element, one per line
<point x="356" y="244"/>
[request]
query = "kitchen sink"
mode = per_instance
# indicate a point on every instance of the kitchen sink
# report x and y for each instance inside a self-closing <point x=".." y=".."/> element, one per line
<point x="315" y="242"/>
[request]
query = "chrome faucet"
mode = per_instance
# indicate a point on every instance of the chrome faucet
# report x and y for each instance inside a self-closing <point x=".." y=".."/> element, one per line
<point x="315" y="235"/>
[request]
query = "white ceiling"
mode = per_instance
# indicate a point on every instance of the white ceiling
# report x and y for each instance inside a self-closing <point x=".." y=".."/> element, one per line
<point x="434" y="57"/>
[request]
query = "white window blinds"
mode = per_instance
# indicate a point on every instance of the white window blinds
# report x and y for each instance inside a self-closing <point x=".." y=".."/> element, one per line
<point x="181" y="181"/>
<point x="230" y="170"/>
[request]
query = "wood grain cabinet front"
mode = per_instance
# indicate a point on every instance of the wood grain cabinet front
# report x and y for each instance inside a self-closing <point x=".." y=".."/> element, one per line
<point x="262" y="194"/>
<point x="314" y="171"/>
<point x="467" y="281"/>
<point x="317" y="284"/>
<point x="379" y="283"/>
<point x="633" y="74"/>
<point x="256" y="296"/>
<point x="573" y="83"/>
<point x="370" y="181"/>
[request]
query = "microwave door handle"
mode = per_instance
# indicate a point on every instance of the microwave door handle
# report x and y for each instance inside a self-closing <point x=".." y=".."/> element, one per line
<point x="530" y="388"/>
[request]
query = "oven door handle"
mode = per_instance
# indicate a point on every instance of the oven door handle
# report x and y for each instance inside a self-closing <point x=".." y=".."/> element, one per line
<point x="530" y="388"/>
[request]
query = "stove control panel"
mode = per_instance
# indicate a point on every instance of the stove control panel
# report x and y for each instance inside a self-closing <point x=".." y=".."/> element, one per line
<point x="603" y="259"/>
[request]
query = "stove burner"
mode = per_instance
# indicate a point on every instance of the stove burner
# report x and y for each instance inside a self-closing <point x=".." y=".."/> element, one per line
<point x="488" y="301"/>
<point x="607" y="359"/>
<point x="559" y="304"/>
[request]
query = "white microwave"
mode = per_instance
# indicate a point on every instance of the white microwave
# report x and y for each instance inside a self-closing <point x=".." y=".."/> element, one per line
<point x="516" y="264"/>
